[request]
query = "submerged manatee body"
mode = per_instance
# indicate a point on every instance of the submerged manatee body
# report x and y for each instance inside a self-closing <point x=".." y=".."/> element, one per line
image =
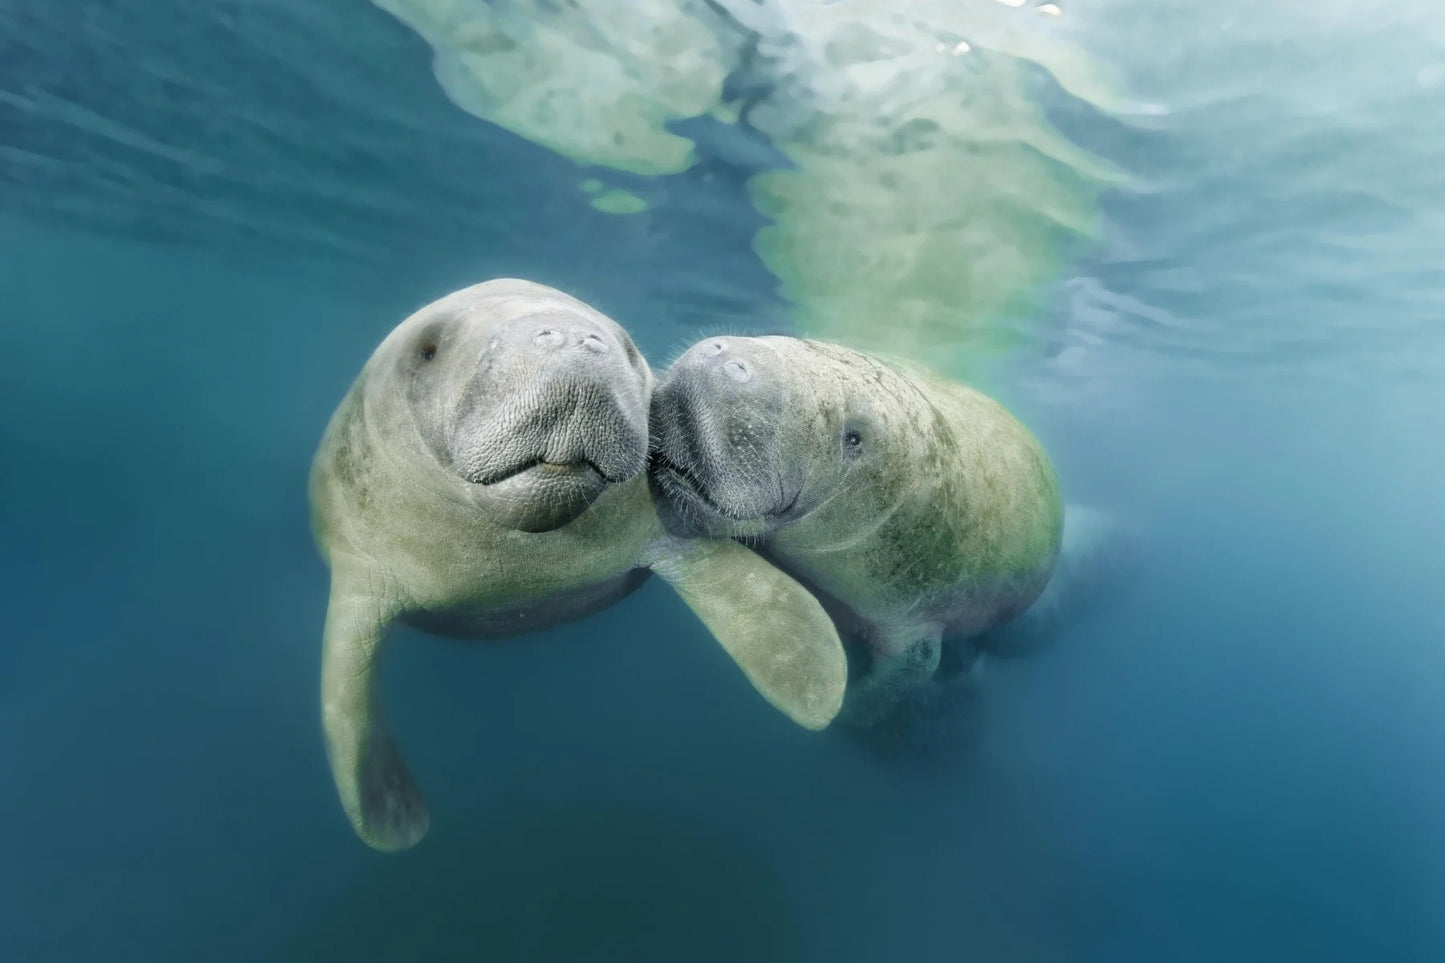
<point x="916" y="507"/>
<point x="484" y="477"/>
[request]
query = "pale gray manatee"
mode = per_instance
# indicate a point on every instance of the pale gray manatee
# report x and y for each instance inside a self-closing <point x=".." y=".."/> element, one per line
<point x="484" y="477"/>
<point x="914" y="507"/>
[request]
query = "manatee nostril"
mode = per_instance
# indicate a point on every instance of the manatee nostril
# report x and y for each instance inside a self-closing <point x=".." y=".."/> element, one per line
<point x="737" y="371"/>
<point x="594" y="344"/>
<point x="550" y="338"/>
<point x="717" y="347"/>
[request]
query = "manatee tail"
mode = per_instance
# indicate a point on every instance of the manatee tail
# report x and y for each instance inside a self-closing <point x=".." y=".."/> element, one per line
<point x="1092" y="562"/>
<point x="376" y="791"/>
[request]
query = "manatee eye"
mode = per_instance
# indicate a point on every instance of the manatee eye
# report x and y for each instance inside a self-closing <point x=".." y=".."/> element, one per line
<point x="852" y="442"/>
<point x="427" y="342"/>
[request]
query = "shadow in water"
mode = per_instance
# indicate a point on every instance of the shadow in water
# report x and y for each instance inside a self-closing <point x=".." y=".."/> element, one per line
<point x="934" y="730"/>
<point x="564" y="881"/>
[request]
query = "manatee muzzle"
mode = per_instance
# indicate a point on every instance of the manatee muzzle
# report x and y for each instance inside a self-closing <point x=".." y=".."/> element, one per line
<point x="715" y="433"/>
<point x="544" y="431"/>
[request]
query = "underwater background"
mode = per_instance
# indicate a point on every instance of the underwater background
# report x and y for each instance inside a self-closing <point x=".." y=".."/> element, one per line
<point x="1196" y="247"/>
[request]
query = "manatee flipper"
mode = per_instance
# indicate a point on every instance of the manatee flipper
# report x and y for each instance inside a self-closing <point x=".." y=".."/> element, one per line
<point x="936" y="724"/>
<point x="375" y="788"/>
<point x="1096" y="548"/>
<point x="774" y="629"/>
<point x="903" y="660"/>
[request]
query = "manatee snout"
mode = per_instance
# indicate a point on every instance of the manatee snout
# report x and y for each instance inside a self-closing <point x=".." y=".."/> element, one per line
<point x="716" y="426"/>
<point x="554" y="412"/>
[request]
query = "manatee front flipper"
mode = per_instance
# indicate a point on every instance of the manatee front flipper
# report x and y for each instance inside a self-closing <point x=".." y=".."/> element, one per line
<point x="376" y="790"/>
<point x="903" y="660"/>
<point x="774" y="629"/>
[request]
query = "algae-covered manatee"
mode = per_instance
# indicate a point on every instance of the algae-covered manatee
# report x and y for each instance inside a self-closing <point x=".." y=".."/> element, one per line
<point x="916" y="508"/>
<point x="483" y="477"/>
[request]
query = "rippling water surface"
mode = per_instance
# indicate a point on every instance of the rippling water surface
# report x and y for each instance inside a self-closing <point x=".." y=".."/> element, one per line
<point x="1197" y="247"/>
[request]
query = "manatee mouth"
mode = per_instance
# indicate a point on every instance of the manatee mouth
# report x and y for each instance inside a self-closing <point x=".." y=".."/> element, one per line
<point x="541" y="468"/>
<point x="681" y="483"/>
<point x="541" y="496"/>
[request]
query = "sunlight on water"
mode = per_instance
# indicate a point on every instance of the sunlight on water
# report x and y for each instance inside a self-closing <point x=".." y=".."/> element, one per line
<point x="1284" y="204"/>
<point x="927" y="194"/>
<point x="598" y="86"/>
<point x="931" y="199"/>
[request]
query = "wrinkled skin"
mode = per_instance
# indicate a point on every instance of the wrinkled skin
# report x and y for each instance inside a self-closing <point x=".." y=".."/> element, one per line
<point x="534" y="410"/>
<point x="914" y="507"/>
<point x="484" y="477"/>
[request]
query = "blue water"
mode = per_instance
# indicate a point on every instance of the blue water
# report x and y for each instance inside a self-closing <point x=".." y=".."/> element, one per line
<point x="210" y="214"/>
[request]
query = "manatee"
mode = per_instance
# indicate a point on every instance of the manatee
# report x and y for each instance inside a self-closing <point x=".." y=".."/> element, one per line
<point x="483" y="477"/>
<point x="914" y="507"/>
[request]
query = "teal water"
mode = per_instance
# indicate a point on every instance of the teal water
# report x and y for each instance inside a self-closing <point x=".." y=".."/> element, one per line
<point x="209" y="215"/>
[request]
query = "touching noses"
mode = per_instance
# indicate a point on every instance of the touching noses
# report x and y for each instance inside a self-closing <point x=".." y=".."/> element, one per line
<point x="719" y="354"/>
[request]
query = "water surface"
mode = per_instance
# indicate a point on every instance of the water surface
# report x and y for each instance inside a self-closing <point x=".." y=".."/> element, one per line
<point x="209" y="215"/>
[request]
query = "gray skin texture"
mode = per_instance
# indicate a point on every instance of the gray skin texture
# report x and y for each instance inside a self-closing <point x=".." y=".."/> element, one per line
<point x="484" y="477"/>
<point x="913" y="506"/>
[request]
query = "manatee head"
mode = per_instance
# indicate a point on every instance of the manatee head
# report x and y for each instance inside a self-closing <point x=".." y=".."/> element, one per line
<point x="515" y="396"/>
<point x="753" y="434"/>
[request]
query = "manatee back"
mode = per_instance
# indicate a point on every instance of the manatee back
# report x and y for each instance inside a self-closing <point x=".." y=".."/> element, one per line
<point x="961" y="526"/>
<point x="1008" y="502"/>
<point x="1011" y="493"/>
